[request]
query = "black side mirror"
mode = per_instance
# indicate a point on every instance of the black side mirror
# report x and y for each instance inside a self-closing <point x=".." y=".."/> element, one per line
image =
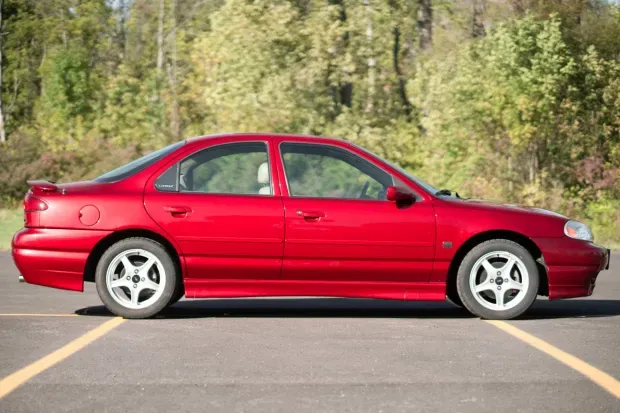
<point x="395" y="194"/>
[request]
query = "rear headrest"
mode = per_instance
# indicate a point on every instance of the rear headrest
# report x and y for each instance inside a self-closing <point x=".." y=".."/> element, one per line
<point x="263" y="174"/>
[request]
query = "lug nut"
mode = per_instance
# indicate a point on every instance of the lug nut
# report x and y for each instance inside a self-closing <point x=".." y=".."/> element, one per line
<point x="128" y="278"/>
<point x="135" y="286"/>
<point x="506" y="280"/>
<point x="491" y="280"/>
<point x="499" y="273"/>
<point x="142" y="278"/>
<point x="499" y="288"/>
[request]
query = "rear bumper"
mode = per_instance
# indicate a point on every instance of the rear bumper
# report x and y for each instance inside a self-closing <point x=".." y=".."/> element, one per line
<point x="572" y="266"/>
<point x="54" y="257"/>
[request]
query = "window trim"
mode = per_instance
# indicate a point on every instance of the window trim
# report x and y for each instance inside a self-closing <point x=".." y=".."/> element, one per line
<point x="177" y="165"/>
<point x="288" y="188"/>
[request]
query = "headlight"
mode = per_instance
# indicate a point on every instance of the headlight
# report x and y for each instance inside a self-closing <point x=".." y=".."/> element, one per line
<point x="578" y="230"/>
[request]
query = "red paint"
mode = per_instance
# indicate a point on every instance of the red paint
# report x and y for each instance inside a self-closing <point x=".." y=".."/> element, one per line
<point x="265" y="288"/>
<point x="279" y="245"/>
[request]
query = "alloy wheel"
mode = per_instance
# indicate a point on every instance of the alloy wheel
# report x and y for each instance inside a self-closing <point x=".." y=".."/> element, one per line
<point x="135" y="278"/>
<point x="499" y="280"/>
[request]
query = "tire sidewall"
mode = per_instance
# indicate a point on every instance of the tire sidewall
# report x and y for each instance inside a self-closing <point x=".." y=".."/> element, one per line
<point x="467" y="296"/>
<point x="154" y="248"/>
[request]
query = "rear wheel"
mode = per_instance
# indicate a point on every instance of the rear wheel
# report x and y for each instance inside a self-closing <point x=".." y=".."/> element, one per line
<point x="498" y="279"/>
<point x="136" y="278"/>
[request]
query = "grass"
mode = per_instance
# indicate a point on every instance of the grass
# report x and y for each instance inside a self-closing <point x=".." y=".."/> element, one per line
<point x="11" y="220"/>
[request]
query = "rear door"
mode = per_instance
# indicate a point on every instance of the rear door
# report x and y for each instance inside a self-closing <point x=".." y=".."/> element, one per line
<point x="221" y="206"/>
<point x="339" y="225"/>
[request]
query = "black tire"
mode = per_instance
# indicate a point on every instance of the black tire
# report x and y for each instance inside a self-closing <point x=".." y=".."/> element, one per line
<point x="467" y="296"/>
<point x="155" y="248"/>
<point x="178" y="294"/>
<point x="454" y="297"/>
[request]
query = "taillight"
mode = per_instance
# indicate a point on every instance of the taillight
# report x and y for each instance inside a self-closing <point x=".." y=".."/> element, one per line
<point x="34" y="204"/>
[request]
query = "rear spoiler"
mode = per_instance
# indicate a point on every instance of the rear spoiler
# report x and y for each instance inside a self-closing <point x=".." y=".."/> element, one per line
<point x="44" y="186"/>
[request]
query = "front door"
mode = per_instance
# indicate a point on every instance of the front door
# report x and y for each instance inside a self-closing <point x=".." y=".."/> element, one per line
<point x="341" y="227"/>
<point x="219" y="205"/>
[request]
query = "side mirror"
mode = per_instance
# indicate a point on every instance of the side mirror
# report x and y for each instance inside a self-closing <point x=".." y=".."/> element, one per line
<point x="395" y="194"/>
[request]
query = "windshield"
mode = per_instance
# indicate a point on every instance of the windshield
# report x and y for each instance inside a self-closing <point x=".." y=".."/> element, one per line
<point x="427" y="187"/>
<point x="138" y="164"/>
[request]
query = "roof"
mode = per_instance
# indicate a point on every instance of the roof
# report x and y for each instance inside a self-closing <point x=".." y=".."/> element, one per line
<point x="242" y="135"/>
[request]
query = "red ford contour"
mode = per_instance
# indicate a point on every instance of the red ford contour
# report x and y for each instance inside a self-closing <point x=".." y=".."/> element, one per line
<point x="248" y="215"/>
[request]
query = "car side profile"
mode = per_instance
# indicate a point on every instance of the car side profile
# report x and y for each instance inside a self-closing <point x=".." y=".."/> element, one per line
<point x="248" y="215"/>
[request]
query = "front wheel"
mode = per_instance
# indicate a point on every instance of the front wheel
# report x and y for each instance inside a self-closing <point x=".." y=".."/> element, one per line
<point x="136" y="278"/>
<point x="498" y="279"/>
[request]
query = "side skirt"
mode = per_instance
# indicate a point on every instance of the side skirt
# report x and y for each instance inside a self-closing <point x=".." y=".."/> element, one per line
<point x="215" y="288"/>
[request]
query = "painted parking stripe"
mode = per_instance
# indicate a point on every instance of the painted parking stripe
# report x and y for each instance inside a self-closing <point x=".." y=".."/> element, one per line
<point x="37" y="315"/>
<point x="13" y="381"/>
<point x="599" y="377"/>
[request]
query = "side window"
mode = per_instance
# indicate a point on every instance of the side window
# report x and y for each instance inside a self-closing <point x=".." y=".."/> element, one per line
<point x="322" y="171"/>
<point x="236" y="168"/>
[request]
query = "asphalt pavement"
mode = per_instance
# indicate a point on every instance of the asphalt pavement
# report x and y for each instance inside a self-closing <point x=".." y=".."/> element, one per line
<point x="303" y="355"/>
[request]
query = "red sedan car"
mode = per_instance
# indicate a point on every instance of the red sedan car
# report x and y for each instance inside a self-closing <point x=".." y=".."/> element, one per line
<point x="248" y="215"/>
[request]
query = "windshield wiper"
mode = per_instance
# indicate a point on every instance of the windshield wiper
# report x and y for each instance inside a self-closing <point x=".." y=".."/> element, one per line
<point x="446" y="192"/>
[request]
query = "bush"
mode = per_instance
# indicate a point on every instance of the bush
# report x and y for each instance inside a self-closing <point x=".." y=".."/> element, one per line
<point x="24" y="158"/>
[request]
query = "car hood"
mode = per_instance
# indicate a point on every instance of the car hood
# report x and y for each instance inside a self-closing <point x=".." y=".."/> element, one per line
<point x="485" y="204"/>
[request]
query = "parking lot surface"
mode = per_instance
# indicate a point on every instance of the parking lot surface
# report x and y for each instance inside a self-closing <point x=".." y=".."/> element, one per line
<point x="298" y="355"/>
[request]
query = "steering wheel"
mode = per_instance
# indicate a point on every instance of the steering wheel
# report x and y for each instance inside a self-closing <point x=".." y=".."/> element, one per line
<point x="364" y="189"/>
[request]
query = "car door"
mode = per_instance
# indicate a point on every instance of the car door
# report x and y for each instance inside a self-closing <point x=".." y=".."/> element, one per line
<point x="220" y="206"/>
<point x="339" y="224"/>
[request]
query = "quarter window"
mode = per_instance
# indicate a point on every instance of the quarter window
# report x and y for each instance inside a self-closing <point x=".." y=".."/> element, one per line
<point x="322" y="171"/>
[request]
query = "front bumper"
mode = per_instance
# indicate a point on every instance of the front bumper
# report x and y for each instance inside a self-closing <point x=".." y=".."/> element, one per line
<point x="572" y="265"/>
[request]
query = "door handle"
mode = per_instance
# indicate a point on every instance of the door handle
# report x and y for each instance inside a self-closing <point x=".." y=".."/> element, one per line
<point x="311" y="215"/>
<point x="178" y="211"/>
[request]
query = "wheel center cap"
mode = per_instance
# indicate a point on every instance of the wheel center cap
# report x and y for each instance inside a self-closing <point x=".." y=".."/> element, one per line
<point x="135" y="279"/>
<point x="499" y="281"/>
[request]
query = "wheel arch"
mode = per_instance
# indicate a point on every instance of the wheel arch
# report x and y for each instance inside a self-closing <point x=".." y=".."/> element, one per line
<point x="519" y="238"/>
<point x="109" y="240"/>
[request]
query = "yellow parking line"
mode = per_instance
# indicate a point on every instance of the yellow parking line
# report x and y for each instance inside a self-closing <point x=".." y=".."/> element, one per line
<point x="37" y="315"/>
<point x="597" y="376"/>
<point x="13" y="381"/>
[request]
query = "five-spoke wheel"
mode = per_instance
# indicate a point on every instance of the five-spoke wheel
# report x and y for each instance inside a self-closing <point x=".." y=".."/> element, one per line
<point x="498" y="279"/>
<point x="137" y="278"/>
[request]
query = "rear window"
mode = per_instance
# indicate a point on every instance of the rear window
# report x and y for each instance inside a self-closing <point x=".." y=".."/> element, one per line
<point x="138" y="165"/>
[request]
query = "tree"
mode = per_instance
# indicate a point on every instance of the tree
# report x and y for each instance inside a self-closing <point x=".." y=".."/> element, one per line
<point x="2" y="130"/>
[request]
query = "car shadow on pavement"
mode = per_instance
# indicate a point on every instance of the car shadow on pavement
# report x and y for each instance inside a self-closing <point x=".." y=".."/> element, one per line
<point x="361" y="308"/>
<point x="301" y="308"/>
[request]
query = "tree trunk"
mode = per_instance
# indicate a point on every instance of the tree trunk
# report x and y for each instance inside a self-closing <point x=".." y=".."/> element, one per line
<point x="345" y="89"/>
<point x="425" y="23"/>
<point x="402" y="90"/>
<point x="511" y="186"/>
<point x="477" y="18"/>
<point x="2" y="132"/>
<point x="519" y="7"/>
<point x="372" y="63"/>
<point x="122" y="36"/>
<point x="160" y="36"/>
<point x="175" y="121"/>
